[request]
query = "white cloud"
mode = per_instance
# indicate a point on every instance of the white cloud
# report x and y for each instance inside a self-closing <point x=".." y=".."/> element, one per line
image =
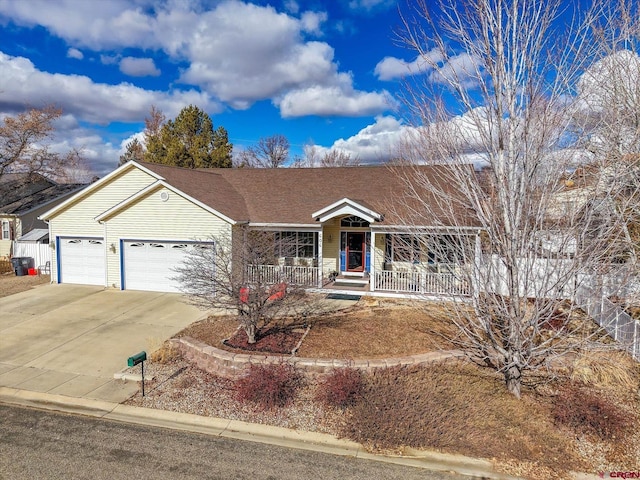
<point x="612" y="81"/>
<point x="389" y="137"/>
<point x="21" y="85"/>
<point x="101" y="156"/>
<point x="75" y="53"/>
<point x="337" y="100"/>
<point x="292" y="6"/>
<point x="96" y="25"/>
<point x="109" y="59"/>
<point x="311" y="22"/>
<point x="375" y="143"/>
<point x="138" y="67"/>
<point x="264" y="56"/>
<point x="463" y="68"/>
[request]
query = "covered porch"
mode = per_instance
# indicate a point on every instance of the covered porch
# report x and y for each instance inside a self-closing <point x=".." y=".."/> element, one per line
<point x="348" y="250"/>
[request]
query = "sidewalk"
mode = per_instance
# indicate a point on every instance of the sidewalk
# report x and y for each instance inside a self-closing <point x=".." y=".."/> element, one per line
<point x="284" y="437"/>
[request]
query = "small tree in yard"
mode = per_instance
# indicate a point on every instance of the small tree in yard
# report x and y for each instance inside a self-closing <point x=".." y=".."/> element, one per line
<point x="501" y="90"/>
<point x="234" y="274"/>
<point x="25" y="147"/>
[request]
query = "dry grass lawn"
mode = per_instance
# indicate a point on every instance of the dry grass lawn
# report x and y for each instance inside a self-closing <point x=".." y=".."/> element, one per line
<point x="459" y="408"/>
<point x="10" y="283"/>
<point x="378" y="332"/>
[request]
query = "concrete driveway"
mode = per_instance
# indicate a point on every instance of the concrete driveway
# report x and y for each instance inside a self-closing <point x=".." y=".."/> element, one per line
<point x="72" y="339"/>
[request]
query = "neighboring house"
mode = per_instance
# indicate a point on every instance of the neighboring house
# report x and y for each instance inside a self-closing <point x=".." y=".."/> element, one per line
<point x="23" y="197"/>
<point x="130" y="229"/>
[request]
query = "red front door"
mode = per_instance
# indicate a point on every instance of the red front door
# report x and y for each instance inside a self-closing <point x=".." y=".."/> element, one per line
<point x="355" y="250"/>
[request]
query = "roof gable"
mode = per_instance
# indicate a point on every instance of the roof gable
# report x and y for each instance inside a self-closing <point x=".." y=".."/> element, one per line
<point x="95" y="186"/>
<point x="347" y="207"/>
<point x="150" y="189"/>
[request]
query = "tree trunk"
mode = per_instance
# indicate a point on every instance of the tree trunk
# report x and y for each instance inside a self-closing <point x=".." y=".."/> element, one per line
<point x="251" y="333"/>
<point x="513" y="379"/>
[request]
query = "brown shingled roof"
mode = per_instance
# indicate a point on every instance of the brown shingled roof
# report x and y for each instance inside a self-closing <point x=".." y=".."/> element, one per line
<point x="206" y="186"/>
<point x="291" y="195"/>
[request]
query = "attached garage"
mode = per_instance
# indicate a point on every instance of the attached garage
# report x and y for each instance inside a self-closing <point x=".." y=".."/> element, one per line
<point x="131" y="229"/>
<point x="150" y="264"/>
<point x="81" y="260"/>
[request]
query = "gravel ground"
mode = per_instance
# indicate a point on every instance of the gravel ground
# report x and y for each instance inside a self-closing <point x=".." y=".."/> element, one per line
<point x="178" y="387"/>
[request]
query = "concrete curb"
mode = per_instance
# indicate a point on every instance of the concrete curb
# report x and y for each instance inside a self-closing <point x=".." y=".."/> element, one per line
<point x="319" y="442"/>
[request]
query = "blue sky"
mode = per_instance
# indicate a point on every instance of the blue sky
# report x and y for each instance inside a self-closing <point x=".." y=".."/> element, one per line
<point x="322" y="72"/>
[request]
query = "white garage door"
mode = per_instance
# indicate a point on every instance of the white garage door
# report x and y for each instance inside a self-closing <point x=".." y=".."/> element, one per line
<point x="150" y="265"/>
<point x="82" y="260"/>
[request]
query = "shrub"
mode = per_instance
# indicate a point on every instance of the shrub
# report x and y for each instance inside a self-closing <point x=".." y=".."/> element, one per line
<point x="586" y="411"/>
<point x="606" y="369"/>
<point x="167" y="353"/>
<point x="457" y="408"/>
<point x="269" y="386"/>
<point x="340" y="388"/>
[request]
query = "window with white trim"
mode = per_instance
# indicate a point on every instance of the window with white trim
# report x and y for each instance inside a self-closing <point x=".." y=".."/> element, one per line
<point x="6" y="230"/>
<point x="403" y="248"/>
<point x="296" y="244"/>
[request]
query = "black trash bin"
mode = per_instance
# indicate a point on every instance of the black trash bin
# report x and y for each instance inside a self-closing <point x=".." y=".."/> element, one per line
<point x="23" y="264"/>
<point x="28" y="262"/>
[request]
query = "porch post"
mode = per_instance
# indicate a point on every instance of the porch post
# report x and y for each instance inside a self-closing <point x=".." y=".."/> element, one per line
<point x="372" y="262"/>
<point x="477" y="265"/>
<point x="320" y="269"/>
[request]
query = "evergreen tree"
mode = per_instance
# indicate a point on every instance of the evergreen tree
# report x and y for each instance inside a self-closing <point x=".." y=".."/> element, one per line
<point x="135" y="151"/>
<point x="189" y="141"/>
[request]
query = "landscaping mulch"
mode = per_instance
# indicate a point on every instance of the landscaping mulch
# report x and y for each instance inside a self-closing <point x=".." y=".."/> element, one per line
<point x="274" y="340"/>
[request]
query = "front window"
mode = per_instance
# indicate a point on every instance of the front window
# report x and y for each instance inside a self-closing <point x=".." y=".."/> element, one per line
<point x="432" y="249"/>
<point x="403" y="248"/>
<point x="296" y="244"/>
<point x="6" y="230"/>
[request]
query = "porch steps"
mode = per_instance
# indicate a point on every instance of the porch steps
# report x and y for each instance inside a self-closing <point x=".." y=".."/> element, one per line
<point x="350" y="281"/>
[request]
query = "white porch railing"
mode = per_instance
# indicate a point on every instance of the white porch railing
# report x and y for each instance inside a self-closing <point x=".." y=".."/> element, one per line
<point x="272" y="274"/>
<point x="420" y="282"/>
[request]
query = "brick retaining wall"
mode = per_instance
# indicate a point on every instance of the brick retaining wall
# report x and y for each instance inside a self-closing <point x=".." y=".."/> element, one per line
<point x="231" y="365"/>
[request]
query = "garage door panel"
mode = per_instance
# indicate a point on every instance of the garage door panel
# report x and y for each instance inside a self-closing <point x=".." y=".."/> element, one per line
<point x="82" y="261"/>
<point x="150" y="265"/>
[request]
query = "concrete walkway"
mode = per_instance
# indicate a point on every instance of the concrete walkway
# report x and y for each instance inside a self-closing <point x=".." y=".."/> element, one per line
<point x="72" y="339"/>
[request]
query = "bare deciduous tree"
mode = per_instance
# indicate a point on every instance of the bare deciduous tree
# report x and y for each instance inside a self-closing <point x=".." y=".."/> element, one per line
<point x="25" y="145"/>
<point x="314" y="157"/>
<point x="269" y="152"/>
<point x="238" y="276"/>
<point x="499" y="78"/>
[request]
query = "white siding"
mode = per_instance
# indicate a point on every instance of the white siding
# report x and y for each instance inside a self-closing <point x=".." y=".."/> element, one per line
<point x="77" y="219"/>
<point x="150" y="218"/>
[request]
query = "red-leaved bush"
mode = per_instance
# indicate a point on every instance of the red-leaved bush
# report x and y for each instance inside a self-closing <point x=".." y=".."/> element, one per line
<point x="340" y="388"/>
<point x="587" y="411"/>
<point x="269" y="386"/>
